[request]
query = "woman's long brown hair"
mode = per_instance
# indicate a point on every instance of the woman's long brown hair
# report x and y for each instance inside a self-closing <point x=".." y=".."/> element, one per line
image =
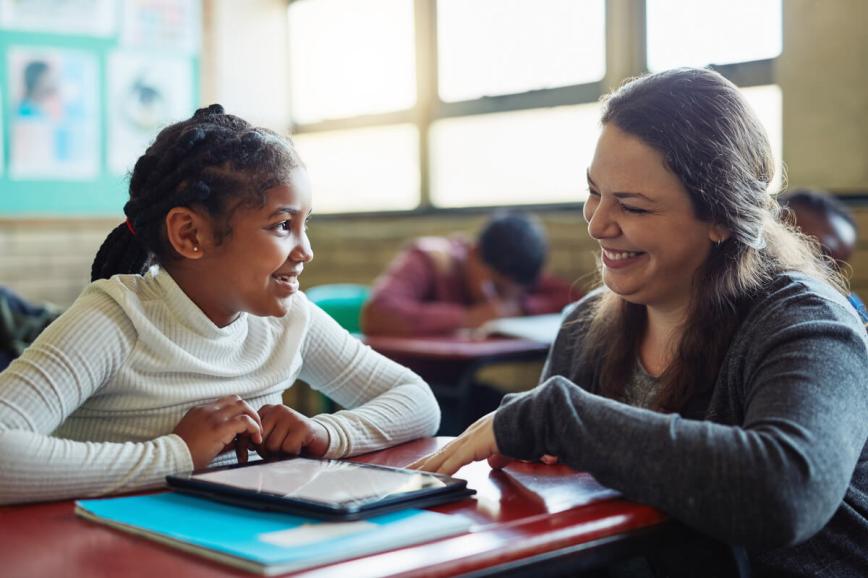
<point x="713" y="142"/>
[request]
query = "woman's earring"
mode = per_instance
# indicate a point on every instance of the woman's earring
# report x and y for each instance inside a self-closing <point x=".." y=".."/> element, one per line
<point x="196" y="247"/>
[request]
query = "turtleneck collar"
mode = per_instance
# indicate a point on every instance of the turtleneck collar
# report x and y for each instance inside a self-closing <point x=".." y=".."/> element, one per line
<point x="187" y="312"/>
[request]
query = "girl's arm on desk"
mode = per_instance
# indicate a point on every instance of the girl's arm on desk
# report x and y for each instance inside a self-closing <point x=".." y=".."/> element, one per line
<point x="66" y="365"/>
<point x="388" y="404"/>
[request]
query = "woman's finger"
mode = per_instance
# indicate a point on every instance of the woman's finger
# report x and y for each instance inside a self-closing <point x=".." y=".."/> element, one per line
<point x="499" y="461"/>
<point x="433" y="460"/>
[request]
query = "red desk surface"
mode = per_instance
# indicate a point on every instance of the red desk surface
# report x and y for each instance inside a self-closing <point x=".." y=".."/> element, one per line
<point x="527" y="510"/>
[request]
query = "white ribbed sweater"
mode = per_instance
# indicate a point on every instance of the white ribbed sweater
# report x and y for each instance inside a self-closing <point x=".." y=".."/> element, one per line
<point x="89" y="408"/>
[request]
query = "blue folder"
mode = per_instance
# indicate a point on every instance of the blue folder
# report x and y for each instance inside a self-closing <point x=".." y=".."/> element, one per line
<point x="262" y="541"/>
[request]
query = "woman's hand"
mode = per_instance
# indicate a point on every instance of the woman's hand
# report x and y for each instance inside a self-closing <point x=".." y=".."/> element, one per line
<point x="287" y="432"/>
<point x="212" y="428"/>
<point x="476" y="443"/>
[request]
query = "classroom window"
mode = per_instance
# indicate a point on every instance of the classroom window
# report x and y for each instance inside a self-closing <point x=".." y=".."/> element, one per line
<point x="362" y="170"/>
<point x="513" y="158"/>
<point x="339" y="69"/>
<point x="484" y="103"/>
<point x="716" y="32"/>
<point x="496" y="47"/>
<point x="767" y="103"/>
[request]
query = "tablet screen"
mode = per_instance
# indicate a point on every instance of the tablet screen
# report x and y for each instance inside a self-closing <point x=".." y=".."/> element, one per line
<point x="325" y="481"/>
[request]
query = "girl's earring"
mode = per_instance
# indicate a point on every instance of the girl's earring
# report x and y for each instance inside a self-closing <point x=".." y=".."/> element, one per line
<point x="196" y="247"/>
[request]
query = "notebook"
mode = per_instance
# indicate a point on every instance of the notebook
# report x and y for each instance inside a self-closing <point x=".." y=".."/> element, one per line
<point x="264" y="542"/>
<point x="540" y="328"/>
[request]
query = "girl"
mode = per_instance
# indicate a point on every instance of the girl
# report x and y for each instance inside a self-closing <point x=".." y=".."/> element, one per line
<point x="192" y="330"/>
<point x="717" y="375"/>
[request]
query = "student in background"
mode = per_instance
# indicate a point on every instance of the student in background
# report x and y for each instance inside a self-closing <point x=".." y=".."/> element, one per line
<point x="439" y="285"/>
<point x="180" y="350"/>
<point x="719" y="372"/>
<point x="823" y="217"/>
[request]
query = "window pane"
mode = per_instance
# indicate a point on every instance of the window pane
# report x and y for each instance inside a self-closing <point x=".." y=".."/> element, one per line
<point x="370" y="169"/>
<point x="702" y="32"/>
<point x="491" y="47"/>
<point x="339" y="67"/>
<point x="526" y="157"/>
<point x="766" y="102"/>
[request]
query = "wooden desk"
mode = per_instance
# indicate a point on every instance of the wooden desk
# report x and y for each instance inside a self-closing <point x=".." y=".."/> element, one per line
<point x="455" y="349"/>
<point x="534" y="527"/>
<point x="449" y="364"/>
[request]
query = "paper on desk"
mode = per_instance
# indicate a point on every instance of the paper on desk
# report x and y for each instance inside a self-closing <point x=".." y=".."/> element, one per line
<point x="540" y="328"/>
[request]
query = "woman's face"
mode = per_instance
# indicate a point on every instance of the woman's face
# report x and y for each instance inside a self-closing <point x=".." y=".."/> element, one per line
<point x="640" y="213"/>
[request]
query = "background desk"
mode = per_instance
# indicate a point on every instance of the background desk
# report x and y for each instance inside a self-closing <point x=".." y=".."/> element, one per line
<point x="516" y="530"/>
<point x="449" y="365"/>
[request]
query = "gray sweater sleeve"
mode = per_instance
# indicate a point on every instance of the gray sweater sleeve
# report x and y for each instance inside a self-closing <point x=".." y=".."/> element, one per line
<point x="769" y="467"/>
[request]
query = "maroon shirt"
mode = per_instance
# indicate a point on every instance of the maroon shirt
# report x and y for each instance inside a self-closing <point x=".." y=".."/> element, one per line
<point x="424" y="291"/>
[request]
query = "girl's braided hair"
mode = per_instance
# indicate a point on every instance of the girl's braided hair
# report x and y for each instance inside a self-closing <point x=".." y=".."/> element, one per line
<point x="212" y="160"/>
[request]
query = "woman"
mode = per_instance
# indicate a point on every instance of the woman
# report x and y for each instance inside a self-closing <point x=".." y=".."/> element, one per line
<point x="719" y="374"/>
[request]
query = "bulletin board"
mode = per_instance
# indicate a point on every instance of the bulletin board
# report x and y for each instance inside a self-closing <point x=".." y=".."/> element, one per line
<point x="85" y="86"/>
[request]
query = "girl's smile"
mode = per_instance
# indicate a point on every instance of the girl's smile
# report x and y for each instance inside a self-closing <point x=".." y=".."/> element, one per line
<point x="288" y="281"/>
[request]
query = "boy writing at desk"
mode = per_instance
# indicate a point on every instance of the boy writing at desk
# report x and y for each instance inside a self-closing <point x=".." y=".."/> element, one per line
<point x="440" y="285"/>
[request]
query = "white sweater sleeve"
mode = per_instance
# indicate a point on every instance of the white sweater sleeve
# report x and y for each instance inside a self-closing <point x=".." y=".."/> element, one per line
<point x="389" y="404"/>
<point x="67" y="364"/>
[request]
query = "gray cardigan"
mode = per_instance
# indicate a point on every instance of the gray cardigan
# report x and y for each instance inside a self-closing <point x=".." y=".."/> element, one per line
<point x="775" y="458"/>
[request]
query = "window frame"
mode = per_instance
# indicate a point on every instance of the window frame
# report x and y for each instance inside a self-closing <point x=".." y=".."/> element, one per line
<point x="624" y="19"/>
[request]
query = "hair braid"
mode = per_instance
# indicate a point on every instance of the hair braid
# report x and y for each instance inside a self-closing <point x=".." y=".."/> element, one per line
<point x="121" y="252"/>
<point x="203" y="161"/>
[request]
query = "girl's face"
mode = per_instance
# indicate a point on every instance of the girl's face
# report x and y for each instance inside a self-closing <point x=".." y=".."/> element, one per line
<point x="256" y="268"/>
<point x="652" y="244"/>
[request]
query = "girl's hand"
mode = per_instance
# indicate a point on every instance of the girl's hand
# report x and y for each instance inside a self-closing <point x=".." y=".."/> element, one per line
<point x="210" y="429"/>
<point x="476" y="443"/>
<point x="287" y="432"/>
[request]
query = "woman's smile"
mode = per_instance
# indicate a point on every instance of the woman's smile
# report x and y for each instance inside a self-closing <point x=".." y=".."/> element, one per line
<point x="614" y="259"/>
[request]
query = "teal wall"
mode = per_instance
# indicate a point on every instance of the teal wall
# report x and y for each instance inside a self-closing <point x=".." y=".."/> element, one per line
<point x="102" y="196"/>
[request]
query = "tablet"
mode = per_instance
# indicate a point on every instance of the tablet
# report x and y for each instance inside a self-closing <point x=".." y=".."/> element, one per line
<point x="327" y="489"/>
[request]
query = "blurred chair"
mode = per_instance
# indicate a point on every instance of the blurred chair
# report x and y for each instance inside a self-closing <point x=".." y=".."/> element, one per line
<point x="343" y="301"/>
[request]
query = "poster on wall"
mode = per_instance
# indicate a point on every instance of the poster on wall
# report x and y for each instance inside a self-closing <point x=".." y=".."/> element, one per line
<point x="146" y="93"/>
<point x="2" y="156"/>
<point x="170" y="25"/>
<point x="54" y="130"/>
<point x="90" y="17"/>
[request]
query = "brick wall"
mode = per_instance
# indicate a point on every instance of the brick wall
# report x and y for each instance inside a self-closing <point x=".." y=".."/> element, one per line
<point x="49" y="260"/>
